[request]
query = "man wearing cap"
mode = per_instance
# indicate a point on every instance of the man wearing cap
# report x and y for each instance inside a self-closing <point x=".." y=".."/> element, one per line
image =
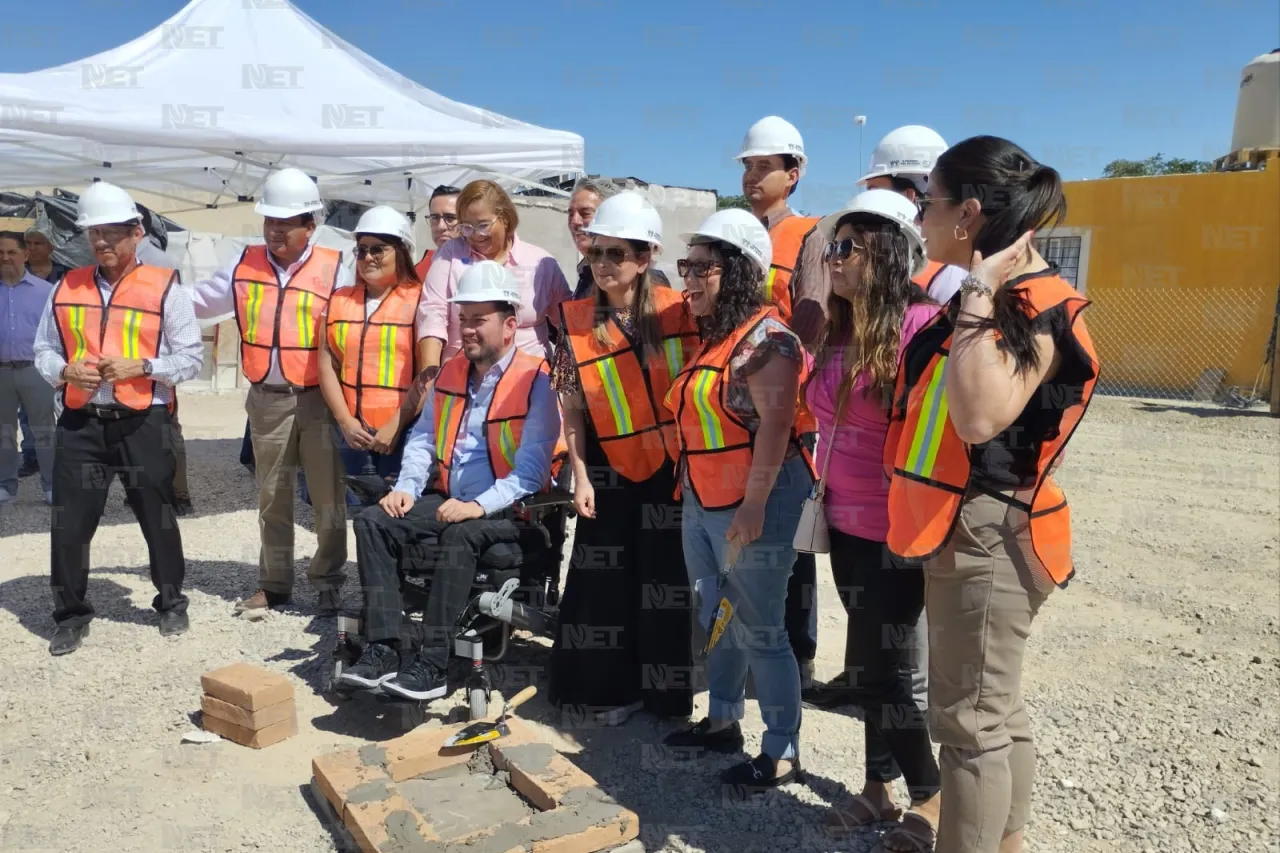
<point x="278" y="293"/>
<point x="489" y="429"/>
<point x="114" y="340"/>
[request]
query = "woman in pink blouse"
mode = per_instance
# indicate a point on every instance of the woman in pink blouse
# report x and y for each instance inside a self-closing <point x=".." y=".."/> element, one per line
<point x="487" y="220"/>
<point x="873" y="311"/>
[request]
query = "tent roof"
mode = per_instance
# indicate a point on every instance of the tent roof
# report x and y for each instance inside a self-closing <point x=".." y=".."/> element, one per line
<point x="226" y="90"/>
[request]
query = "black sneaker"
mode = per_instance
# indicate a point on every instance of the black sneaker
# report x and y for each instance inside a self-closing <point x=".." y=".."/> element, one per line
<point x="700" y="736"/>
<point x="377" y="665"/>
<point x="420" y="680"/>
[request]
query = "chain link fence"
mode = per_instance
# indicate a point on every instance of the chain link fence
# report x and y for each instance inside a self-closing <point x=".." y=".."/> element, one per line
<point x="1199" y="345"/>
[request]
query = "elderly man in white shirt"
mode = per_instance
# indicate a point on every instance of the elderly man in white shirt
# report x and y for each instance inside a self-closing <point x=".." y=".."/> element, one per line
<point x="114" y="340"/>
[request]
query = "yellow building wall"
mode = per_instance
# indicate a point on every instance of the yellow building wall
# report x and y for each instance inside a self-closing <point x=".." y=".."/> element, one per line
<point x="1183" y="271"/>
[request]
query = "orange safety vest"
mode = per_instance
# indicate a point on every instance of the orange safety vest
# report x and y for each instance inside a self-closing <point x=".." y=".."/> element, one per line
<point x="424" y="265"/>
<point x="787" y="237"/>
<point x="375" y="354"/>
<point x="283" y="318"/>
<point x="709" y="441"/>
<point x="504" y="422"/>
<point x="925" y="277"/>
<point x="128" y="325"/>
<point x="929" y="466"/>
<point x="626" y="400"/>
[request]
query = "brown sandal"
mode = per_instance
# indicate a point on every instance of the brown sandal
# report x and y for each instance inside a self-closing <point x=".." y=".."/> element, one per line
<point x="916" y="834"/>
<point x="858" y="812"/>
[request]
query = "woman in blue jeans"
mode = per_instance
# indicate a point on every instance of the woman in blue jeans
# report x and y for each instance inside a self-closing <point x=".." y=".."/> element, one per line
<point x="744" y="477"/>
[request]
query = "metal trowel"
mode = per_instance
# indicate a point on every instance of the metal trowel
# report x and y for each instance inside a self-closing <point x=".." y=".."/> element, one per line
<point x="724" y="611"/>
<point x="487" y="730"/>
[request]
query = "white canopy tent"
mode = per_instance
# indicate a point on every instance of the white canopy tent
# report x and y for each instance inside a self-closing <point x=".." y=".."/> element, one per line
<point x="203" y="107"/>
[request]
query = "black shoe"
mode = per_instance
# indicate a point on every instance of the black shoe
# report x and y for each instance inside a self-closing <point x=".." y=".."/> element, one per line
<point x="377" y="664"/>
<point x="173" y="623"/>
<point x="67" y="638"/>
<point x="183" y="507"/>
<point x="759" y="773"/>
<point x="700" y="736"/>
<point x="29" y="467"/>
<point x="829" y="695"/>
<point x="420" y="680"/>
<point x="329" y="602"/>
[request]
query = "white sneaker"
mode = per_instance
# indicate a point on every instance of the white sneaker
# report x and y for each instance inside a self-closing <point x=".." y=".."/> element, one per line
<point x="6" y="496"/>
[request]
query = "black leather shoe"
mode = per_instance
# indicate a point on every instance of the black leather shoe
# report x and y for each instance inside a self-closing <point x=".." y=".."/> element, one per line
<point x="173" y="623"/>
<point x="759" y="773"/>
<point x="67" y="638"/>
<point x="183" y="507"/>
<point x="828" y="696"/>
<point x="700" y="736"/>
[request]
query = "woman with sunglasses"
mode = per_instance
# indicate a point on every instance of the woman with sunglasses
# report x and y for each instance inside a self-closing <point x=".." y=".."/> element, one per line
<point x="487" y="231"/>
<point x="367" y="353"/>
<point x="873" y="311"/>
<point x="619" y="348"/>
<point x="744" y="475"/>
<point x="986" y="400"/>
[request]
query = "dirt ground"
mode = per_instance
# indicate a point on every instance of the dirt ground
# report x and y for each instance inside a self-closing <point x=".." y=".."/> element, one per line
<point x="1153" y="681"/>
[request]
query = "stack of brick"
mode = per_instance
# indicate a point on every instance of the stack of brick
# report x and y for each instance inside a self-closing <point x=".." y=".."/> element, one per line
<point x="248" y="705"/>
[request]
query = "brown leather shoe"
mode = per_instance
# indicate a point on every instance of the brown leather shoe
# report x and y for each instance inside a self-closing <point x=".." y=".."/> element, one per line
<point x="261" y="600"/>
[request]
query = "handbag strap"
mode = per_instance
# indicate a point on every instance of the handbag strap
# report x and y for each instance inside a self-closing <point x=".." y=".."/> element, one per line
<point x="826" y="463"/>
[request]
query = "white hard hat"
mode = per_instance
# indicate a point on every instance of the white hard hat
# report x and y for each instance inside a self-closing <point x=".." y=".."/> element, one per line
<point x="627" y="216"/>
<point x="105" y="204"/>
<point x="773" y="135"/>
<point x="487" y="281"/>
<point x="289" y="193"/>
<point x="387" y="222"/>
<point x="885" y="204"/>
<point x="909" y="151"/>
<point x="737" y="228"/>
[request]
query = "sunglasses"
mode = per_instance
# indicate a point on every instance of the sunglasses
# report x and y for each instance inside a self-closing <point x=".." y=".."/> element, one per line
<point x="447" y="218"/>
<point x="614" y="255"/>
<point x="923" y="201"/>
<point x="376" y="252"/>
<point x="696" y="269"/>
<point x="840" y="250"/>
<point x="481" y="230"/>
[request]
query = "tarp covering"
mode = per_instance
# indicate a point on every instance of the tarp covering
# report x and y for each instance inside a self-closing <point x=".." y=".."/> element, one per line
<point x="56" y="214"/>
<point x="205" y="104"/>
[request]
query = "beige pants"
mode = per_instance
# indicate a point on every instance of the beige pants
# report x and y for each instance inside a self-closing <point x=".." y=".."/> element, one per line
<point x="981" y="594"/>
<point x="288" y="431"/>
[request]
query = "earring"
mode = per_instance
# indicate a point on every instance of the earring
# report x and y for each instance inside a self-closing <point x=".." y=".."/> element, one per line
<point x="960" y="234"/>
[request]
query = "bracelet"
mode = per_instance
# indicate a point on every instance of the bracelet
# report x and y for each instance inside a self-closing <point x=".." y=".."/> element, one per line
<point x="973" y="284"/>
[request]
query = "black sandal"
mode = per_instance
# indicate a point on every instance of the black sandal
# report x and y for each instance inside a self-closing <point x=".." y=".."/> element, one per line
<point x="760" y="773"/>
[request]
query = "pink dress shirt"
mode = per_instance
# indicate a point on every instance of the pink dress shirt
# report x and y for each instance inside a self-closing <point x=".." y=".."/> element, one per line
<point x="542" y="288"/>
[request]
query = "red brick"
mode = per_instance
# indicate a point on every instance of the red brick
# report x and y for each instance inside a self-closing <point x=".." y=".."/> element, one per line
<point x="338" y="773"/>
<point x="250" y="687"/>
<point x="245" y="719"/>
<point x="247" y="737"/>
<point x="368" y="824"/>
<point x="546" y="788"/>
<point x="423" y="752"/>
<point x="603" y="837"/>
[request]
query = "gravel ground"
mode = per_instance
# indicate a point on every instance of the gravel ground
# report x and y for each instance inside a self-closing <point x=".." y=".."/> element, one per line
<point x="1152" y="682"/>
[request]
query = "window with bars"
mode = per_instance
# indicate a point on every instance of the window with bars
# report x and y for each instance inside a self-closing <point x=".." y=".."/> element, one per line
<point x="1063" y="251"/>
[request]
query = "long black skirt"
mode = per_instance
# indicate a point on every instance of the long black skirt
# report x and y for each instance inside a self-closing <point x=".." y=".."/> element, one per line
<point x="625" y="629"/>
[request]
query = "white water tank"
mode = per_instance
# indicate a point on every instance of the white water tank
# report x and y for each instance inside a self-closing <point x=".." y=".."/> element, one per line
<point x="1258" y="108"/>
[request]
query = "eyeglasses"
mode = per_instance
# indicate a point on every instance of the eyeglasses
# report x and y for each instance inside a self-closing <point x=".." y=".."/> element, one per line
<point x="840" y="250"/>
<point x="376" y="252"/>
<point x="480" y="230"/>
<point x="447" y="218"/>
<point x="923" y="201"/>
<point x="696" y="269"/>
<point x="614" y="255"/>
<point x="107" y="235"/>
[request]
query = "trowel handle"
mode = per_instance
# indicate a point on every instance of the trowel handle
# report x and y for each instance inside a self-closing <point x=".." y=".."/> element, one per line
<point x="520" y="698"/>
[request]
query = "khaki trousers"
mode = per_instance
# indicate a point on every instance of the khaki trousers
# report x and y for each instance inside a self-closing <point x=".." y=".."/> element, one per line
<point x="981" y="594"/>
<point x="291" y="430"/>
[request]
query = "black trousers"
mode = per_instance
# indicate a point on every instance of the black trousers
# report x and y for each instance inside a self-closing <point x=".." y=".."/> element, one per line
<point x="802" y="595"/>
<point x="92" y="451"/>
<point x="452" y="551"/>
<point x="625" y="632"/>
<point x="883" y="597"/>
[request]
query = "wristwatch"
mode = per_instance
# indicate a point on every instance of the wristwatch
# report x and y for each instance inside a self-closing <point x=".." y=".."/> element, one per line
<point x="146" y="367"/>
<point x="973" y="284"/>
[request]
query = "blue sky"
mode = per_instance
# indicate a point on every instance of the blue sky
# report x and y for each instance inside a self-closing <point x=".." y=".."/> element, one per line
<point x="664" y="90"/>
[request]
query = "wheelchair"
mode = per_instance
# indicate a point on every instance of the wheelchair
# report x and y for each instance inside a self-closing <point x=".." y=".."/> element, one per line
<point x="516" y="587"/>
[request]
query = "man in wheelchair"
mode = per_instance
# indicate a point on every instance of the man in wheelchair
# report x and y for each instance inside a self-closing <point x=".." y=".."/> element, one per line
<point x="486" y="439"/>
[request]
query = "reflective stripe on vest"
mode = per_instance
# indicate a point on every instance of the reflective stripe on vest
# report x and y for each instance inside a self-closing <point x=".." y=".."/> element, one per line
<point x="282" y="319"/>
<point x="377" y="363"/>
<point x="929" y="466"/>
<point x="704" y="387"/>
<point x="129" y="325"/>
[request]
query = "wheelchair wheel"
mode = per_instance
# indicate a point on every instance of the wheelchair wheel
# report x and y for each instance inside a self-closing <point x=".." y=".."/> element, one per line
<point x="478" y="703"/>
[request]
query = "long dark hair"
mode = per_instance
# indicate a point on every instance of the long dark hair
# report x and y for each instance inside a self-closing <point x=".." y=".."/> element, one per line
<point x="868" y="328"/>
<point x="406" y="272"/>
<point x="1017" y="195"/>
<point x="643" y="309"/>
<point x="741" y="293"/>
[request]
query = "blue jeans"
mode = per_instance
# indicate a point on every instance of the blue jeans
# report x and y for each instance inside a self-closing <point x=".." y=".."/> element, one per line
<point x="756" y="637"/>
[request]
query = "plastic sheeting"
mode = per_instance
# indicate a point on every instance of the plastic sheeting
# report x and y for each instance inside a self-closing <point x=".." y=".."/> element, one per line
<point x="56" y="214"/>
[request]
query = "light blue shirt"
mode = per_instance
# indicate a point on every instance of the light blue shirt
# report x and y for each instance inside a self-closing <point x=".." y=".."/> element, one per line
<point x="21" y="305"/>
<point x="471" y="477"/>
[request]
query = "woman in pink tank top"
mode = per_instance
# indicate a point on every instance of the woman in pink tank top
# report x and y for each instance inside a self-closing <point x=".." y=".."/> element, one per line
<point x="874" y="309"/>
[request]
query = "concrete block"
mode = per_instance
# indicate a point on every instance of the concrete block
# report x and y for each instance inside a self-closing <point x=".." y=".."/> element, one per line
<point x="259" y="739"/>
<point x="246" y="686"/>
<point x="245" y="719"/>
<point x="339" y="774"/>
<point x="390" y="824"/>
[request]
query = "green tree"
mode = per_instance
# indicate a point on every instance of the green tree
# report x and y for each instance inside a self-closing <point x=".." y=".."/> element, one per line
<point x="724" y="202"/>
<point x="1156" y="165"/>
